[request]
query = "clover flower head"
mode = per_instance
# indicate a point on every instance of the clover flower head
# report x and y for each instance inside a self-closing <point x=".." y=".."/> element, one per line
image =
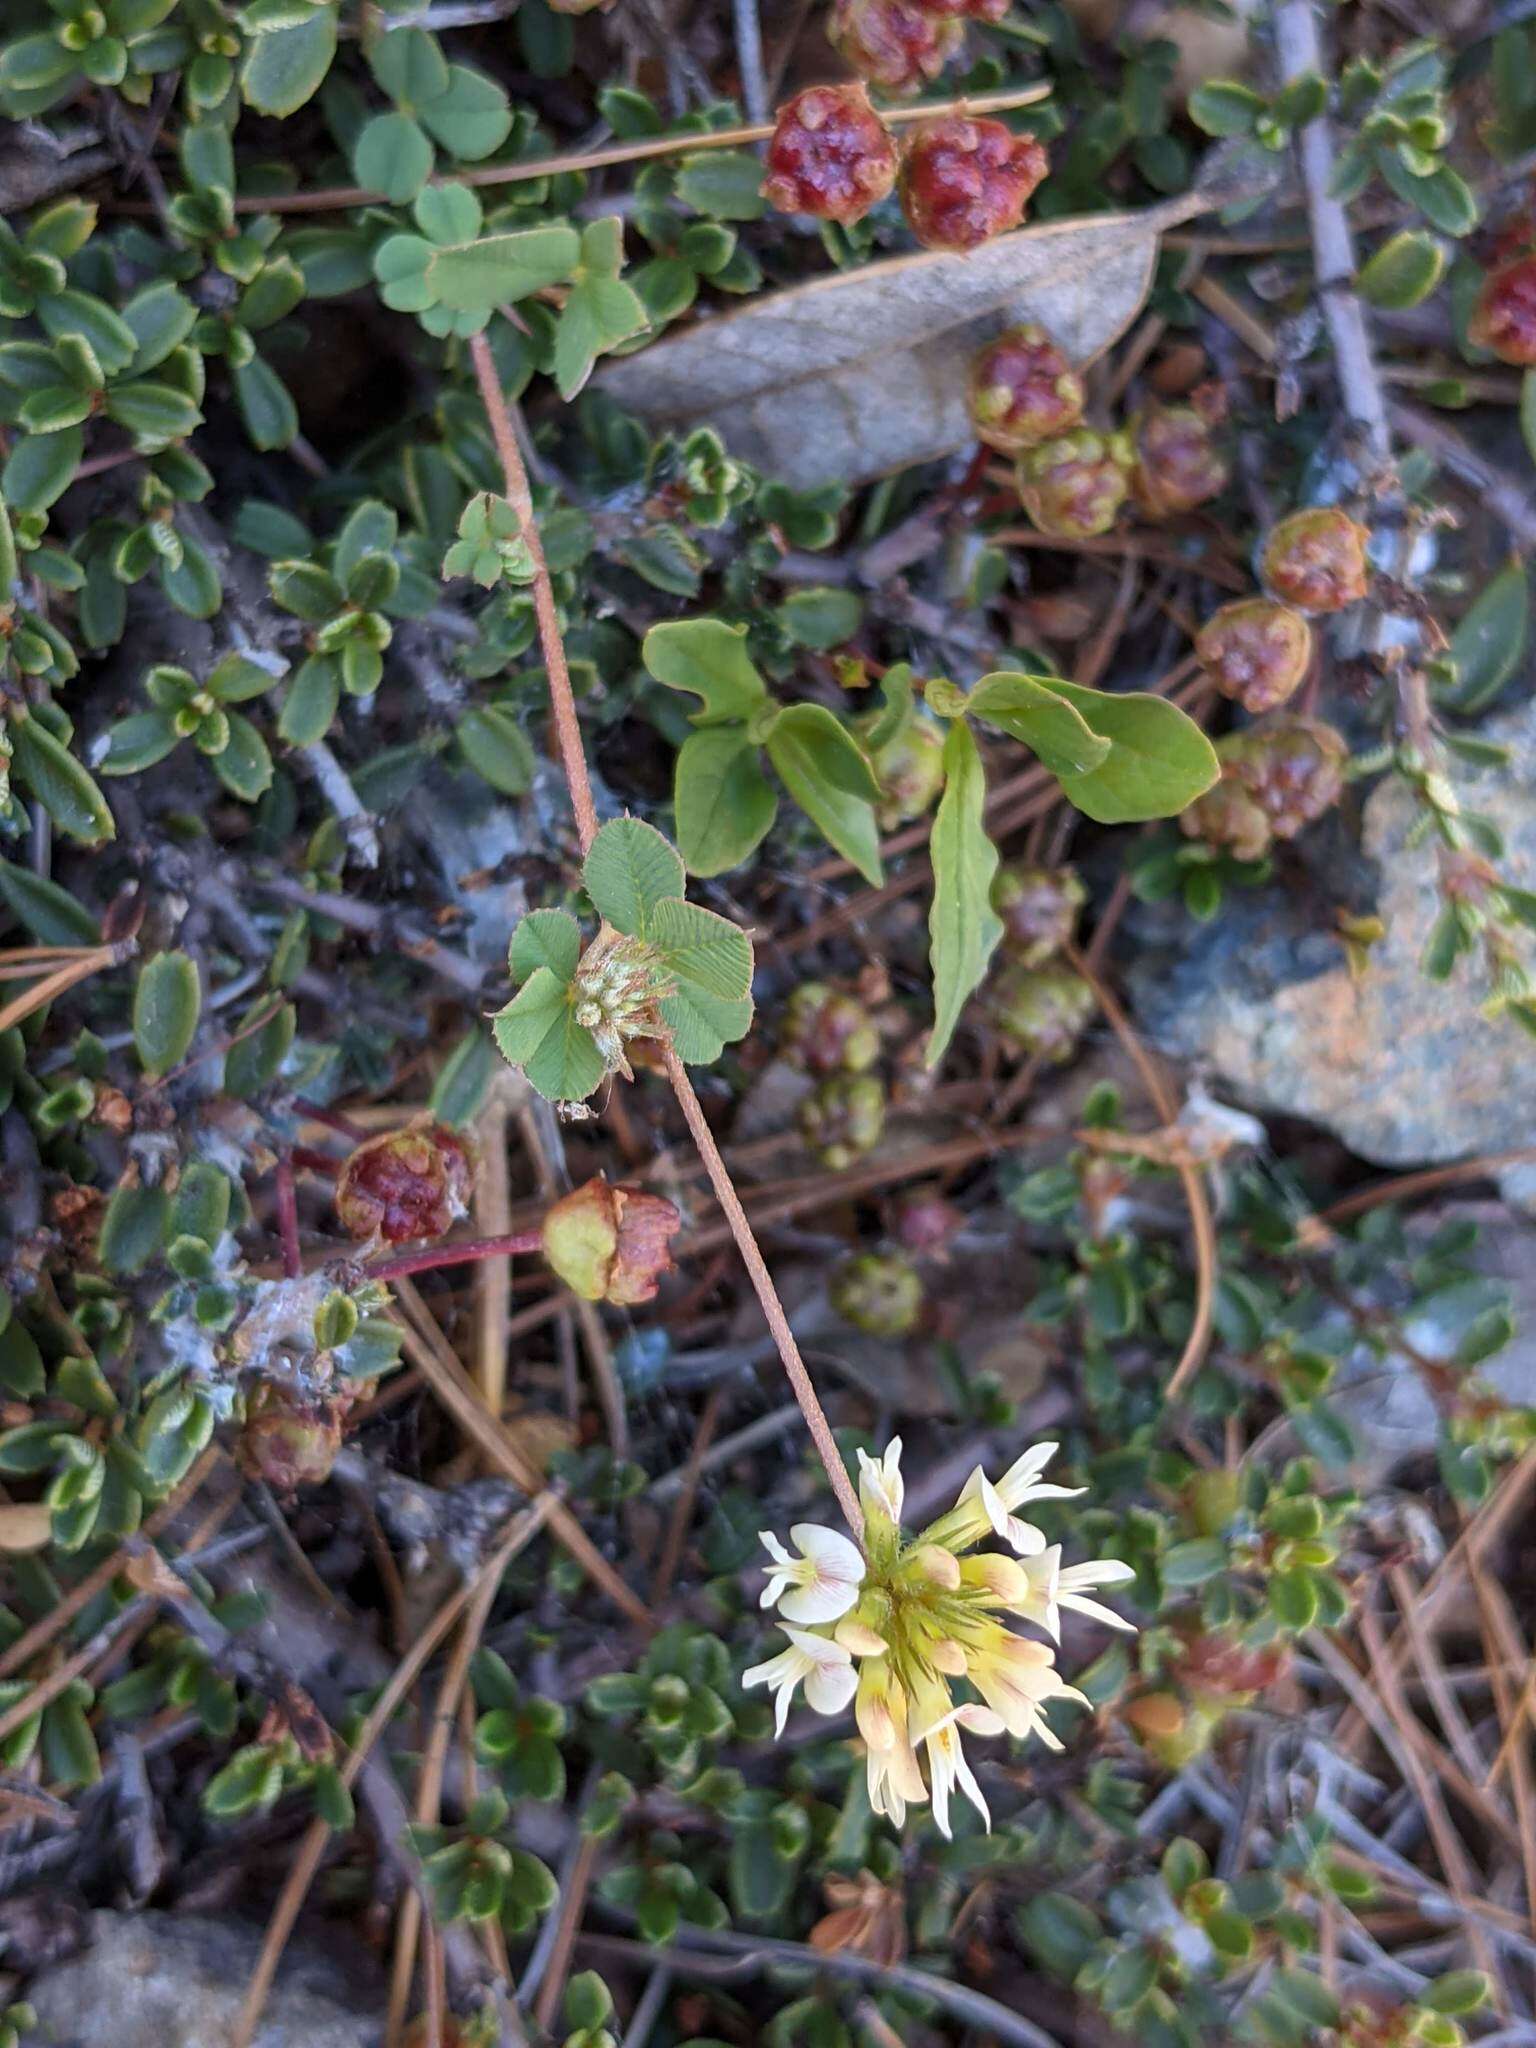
<point x="894" y="1628"/>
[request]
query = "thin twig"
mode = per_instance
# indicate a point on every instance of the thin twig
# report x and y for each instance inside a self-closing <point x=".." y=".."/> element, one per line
<point x="1300" y="51"/>
<point x="620" y="153"/>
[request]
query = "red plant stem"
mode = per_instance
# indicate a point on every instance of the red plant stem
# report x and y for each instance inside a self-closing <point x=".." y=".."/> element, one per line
<point x="288" y="1217"/>
<point x="465" y="1251"/>
<point x="574" y="764"/>
<point x="333" y="1120"/>
<point x="309" y="1161"/>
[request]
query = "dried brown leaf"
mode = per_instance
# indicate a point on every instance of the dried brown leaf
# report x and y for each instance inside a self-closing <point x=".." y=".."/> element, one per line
<point x="853" y="376"/>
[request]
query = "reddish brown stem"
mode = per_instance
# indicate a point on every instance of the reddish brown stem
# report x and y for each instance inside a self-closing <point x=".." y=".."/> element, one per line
<point x="573" y="762"/>
<point x="465" y="1251"/>
<point x="332" y="1119"/>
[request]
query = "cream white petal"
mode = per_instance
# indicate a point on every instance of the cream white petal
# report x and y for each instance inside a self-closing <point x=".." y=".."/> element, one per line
<point x="833" y="1554"/>
<point x="818" y="1600"/>
<point x="829" y="1687"/>
<point x="1096" y="1610"/>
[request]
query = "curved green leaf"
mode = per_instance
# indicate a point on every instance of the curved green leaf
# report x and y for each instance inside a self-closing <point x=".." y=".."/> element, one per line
<point x="545" y="938"/>
<point x="1159" y="759"/>
<point x="60" y="784"/>
<point x="817" y="761"/>
<point x="709" y="658"/>
<point x="1030" y="711"/>
<point x="963" y="928"/>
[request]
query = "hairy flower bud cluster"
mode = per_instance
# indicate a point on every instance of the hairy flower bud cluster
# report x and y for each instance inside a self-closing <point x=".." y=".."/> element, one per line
<point x="615" y="993"/>
<point x="893" y="1628"/>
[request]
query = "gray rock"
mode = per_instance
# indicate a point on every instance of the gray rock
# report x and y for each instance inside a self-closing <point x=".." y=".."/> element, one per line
<point x="169" y="1980"/>
<point x="1402" y="1069"/>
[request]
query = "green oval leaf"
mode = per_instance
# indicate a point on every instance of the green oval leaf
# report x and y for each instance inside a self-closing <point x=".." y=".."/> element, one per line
<point x="1487" y="645"/>
<point x="1035" y="714"/>
<point x="1403" y="272"/>
<point x="59" y="783"/>
<point x="1159" y="759"/>
<point x="167" y="1001"/>
<point x="723" y="802"/>
<point x="475" y="276"/>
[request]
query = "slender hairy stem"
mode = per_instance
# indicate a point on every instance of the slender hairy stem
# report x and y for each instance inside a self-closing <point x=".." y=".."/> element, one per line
<point x="468" y="1250"/>
<point x="762" y="1282"/>
<point x="562" y="700"/>
<point x="573" y="762"/>
<point x="622" y="153"/>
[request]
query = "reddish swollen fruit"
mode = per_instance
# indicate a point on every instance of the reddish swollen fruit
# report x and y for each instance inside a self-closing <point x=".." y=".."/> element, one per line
<point x="895" y="44"/>
<point x="289" y="1439"/>
<point x="1042" y="1014"/>
<point x="964" y="181"/>
<point x="1256" y="651"/>
<point x="1023" y="391"/>
<point x="880" y="1293"/>
<point x="1504" y="317"/>
<point x="828" y="1032"/>
<point x="831" y="155"/>
<point x="611" y="1243"/>
<point x="409" y="1183"/>
<point x="1178" y="464"/>
<point x="1039" y="909"/>
<point x="1073" y="487"/>
<point x="1316" y="559"/>
<point x="1275" y="779"/>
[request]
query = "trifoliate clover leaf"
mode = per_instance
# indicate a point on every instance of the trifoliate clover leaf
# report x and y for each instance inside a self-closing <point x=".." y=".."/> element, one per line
<point x="451" y="278"/>
<point x="660" y="968"/>
<point x="490" y="545"/>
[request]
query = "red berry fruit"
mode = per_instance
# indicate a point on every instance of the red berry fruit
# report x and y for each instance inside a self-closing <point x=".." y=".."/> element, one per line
<point x="964" y="181"/>
<point x="831" y="155"/>
<point x="611" y="1243"/>
<point x="827" y="1032"/>
<point x="1504" y="318"/>
<point x="410" y="1183"/>
<point x="1023" y="391"/>
<point x="1317" y="559"/>
<point x="1256" y="651"/>
<point x="1275" y="779"/>
<point x="895" y="44"/>
<point x="1073" y="487"/>
<point x="1178" y="464"/>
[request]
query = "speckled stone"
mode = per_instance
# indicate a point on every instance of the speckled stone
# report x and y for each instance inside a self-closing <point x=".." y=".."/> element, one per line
<point x="1402" y="1069"/>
